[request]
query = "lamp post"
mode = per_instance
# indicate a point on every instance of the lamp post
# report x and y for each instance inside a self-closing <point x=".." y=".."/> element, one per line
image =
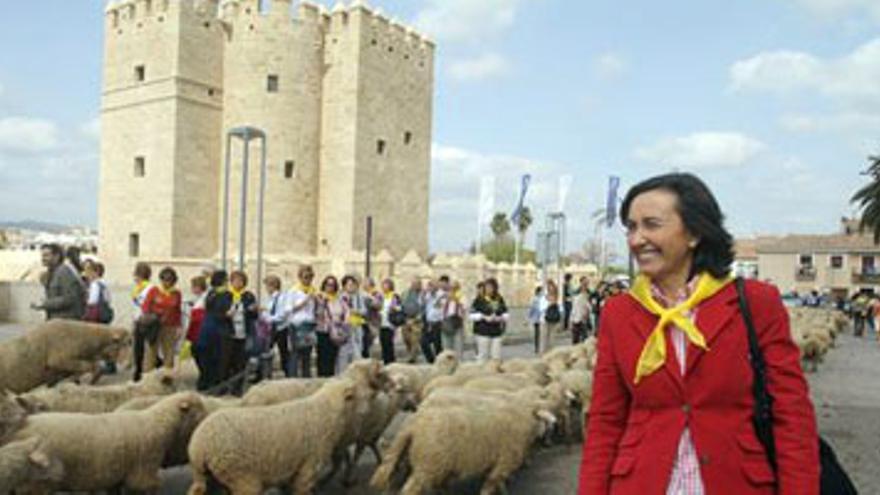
<point x="246" y="134"/>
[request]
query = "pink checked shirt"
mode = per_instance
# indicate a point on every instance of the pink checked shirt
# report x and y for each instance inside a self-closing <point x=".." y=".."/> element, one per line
<point x="686" y="479"/>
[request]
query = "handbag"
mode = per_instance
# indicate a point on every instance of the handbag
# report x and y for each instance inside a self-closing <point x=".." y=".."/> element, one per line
<point x="552" y="314"/>
<point x="833" y="478"/>
<point x="105" y="311"/>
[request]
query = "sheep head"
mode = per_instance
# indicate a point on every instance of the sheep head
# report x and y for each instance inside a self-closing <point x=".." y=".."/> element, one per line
<point x="43" y="465"/>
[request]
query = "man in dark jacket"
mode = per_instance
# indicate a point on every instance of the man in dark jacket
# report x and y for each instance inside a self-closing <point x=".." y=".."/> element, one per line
<point x="65" y="291"/>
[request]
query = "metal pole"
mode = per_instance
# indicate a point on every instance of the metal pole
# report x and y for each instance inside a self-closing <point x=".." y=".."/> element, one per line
<point x="243" y="219"/>
<point x="367" y="269"/>
<point x="224" y="236"/>
<point x="260" y="221"/>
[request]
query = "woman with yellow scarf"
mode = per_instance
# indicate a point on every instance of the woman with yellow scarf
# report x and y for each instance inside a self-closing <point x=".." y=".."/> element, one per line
<point x="673" y="405"/>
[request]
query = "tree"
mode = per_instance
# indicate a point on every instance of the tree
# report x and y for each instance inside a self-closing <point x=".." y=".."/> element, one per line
<point x="524" y="221"/>
<point x="500" y="225"/>
<point x="868" y="199"/>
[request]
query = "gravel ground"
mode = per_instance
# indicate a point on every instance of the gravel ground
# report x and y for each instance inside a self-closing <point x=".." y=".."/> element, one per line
<point x="846" y="397"/>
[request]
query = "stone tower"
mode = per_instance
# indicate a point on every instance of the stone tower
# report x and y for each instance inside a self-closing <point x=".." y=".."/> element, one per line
<point x="345" y="98"/>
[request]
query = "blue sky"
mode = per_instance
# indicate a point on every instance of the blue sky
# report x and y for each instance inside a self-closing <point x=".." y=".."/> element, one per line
<point x="775" y="103"/>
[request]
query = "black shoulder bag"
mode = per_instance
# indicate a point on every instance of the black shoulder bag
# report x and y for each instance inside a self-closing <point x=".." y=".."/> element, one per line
<point x="833" y="478"/>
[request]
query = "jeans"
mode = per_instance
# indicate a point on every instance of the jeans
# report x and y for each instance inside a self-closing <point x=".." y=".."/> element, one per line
<point x="327" y="352"/>
<point x="386" y="339"/>
<point x="366" y="342"/>
<point x="301" y="362"/>
<point x="488" y="348"/>
<point x="548" y="330"/>
<point x="537" y="337"/>
<point x="580" y="331"/>
<point x="453" y="342"/>
<point x="345" y="355"/>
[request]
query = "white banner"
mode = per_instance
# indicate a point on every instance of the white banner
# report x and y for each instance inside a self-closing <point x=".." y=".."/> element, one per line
<point x="486" y="205"/>
<point x="564" y="187"/>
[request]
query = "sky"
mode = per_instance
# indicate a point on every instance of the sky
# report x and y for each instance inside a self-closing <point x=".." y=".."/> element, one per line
<point x="774" y="103"/>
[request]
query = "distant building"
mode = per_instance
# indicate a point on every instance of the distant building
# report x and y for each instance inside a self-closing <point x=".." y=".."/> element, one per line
<point x="837" y="264"/>
<point x="344" y="96"/>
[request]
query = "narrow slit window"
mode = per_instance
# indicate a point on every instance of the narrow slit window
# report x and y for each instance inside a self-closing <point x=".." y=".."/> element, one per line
<point x="289" y="167"/>
<point x="134" y="245"/>
<point x="140" y="73"/>
<point x="407" y="137"/>
<point x="380" y="146"/>
<point x="272" y="83"/>
<point x="140" y="166"/>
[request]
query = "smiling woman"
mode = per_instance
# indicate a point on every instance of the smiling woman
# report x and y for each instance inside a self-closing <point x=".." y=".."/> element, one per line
<point x="680" y="415"/>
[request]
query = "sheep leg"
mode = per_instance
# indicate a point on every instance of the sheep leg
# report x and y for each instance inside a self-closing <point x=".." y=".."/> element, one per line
<point x="337" y="460"/>
<point x="495" y="482"/>
<point x="415" y="485"/>
<point x="348" y="477"/>
<point x="304" y="483"/>
<point x="246" y="486"/>
<point x="376" y="452"/>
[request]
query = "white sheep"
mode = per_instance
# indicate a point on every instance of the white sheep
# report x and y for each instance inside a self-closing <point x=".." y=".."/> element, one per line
<point x="251" y="449"/>
<point x="70" y="397"/>
<point x="442" y="444"/>
<point x="25" y="462"/>
<point x="105" y="451"/>
<point x="59" y="349"/>
<point x="12" y="415"/>
<point x="420" y="374"/>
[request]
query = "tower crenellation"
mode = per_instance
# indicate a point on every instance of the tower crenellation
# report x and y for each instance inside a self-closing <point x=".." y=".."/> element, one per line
<point x="345" y="96"/>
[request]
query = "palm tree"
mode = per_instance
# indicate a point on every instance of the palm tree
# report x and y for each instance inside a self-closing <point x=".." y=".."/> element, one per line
<point x="500" y="225"/>
<point x="523" y="222"/>
<point x="868" y="199"/>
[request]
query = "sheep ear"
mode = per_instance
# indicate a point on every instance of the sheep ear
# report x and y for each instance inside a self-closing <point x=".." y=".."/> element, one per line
<point x="545" y="415"/>
<point x="39" y="458"/>
<point x="167" y="379"/>
<point x="185" y="405"/>
<point x="29" y="406"/>
<point x="349" y="393"/>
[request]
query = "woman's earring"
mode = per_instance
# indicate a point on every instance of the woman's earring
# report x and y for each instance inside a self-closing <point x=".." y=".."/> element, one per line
<point x="693" y="244"/>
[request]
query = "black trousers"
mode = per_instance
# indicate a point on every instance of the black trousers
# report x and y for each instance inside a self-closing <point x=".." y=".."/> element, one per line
<point x="431" y="343"/>
<point x="140" y="345"/>
<point x="386" y="339"/>
<point x="233" y="361"/>
<point x="367" y="341"/>
<point x="537" y="337"/>
<point x="327" y="352"/>
<point x="281" y="338"/>
<point x="579" y="332"/>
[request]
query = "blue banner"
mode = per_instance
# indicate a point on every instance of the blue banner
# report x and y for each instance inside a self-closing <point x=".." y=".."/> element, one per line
<point x="611" y="204"/>
<point x="523" y="189"/>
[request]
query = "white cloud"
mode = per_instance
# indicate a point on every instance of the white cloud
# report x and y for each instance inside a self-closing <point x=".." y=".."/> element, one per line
<point x="609" y="66"/>
<point x="702" y="150"/>
<point x="837" y="8"/>
<point x="847" y="122"/>
<point x="482" y="67"/>
<point x="29" y="135"/>
<point x="467" y="20"/>
<point x="851" y="77"/>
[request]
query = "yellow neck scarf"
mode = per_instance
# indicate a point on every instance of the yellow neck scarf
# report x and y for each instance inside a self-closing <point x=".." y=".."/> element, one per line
<point x="389" y="294"/>
<point x="164" y="292"/>
<point x="305" y="289"/>
<point x="331" y="296"/>
<point x="138" y="288"/>
<point x="236" y="295"/>
<point x="654" y="353"/>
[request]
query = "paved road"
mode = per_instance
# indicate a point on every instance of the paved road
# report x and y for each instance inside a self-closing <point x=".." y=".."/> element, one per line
<point x="846" y="392"/>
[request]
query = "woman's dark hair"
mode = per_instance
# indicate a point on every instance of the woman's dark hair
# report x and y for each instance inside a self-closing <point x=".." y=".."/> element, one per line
<point x="493" y="283"/>
<point x="327" y="280"/>
<point x="143" y="271"/>
<point x="168" y="274"/>
<point x="219" y="278"/>
<point x="239" y="275"/>
<point x="349" y="278"/>
<point x="199" y="281"/>
<point x="701" y="216"/>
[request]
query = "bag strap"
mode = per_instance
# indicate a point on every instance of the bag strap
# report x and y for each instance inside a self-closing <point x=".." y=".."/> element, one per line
<point x="763" y="400"/>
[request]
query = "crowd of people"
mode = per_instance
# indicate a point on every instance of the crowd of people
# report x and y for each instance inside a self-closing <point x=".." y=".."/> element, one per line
<point x="234" y="337"/>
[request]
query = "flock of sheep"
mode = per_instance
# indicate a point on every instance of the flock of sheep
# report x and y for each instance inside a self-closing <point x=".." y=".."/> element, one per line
<point x="293" y="433"/>
<point x="469" y="421"/>
<point x="814" y="331"/>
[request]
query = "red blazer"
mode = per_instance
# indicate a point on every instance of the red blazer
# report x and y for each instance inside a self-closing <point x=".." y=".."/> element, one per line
<point x="634" y="431"/>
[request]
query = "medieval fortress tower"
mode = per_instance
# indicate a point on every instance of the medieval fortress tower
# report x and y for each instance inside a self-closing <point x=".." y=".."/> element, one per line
<point x="345" y="98"/>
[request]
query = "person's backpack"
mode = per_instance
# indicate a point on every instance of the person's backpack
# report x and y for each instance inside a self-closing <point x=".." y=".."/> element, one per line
<point x="412" y="306"/>
<point x="552" y="314"/>
<point x="105" y="311"/>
